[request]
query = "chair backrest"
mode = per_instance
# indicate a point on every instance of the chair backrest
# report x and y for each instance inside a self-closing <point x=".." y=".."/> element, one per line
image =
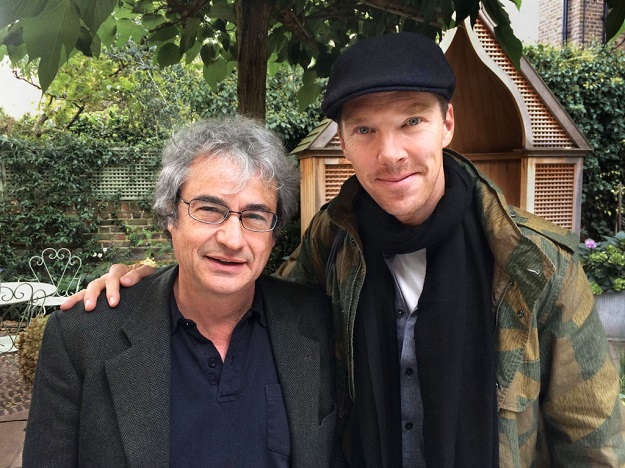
<point x="58" y="267"/>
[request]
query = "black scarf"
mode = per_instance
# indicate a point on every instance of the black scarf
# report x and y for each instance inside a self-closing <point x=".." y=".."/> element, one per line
<point x="453" y="334"/>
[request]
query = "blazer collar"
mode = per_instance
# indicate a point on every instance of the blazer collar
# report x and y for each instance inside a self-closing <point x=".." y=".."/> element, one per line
<point x="139" y="377"/>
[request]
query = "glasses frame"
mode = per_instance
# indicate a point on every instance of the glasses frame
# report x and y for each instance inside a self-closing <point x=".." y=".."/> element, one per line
<point x="227" y="215"/>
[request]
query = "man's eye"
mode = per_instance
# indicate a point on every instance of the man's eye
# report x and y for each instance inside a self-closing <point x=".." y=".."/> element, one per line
<point x="363" y="130"/>
<point x="256" y="215"/>
<point x="413" y="121"/>
<point x="208" y="209"/>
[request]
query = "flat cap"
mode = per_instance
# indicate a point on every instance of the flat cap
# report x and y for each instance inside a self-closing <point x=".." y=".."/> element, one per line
<point x="391" y="62"/>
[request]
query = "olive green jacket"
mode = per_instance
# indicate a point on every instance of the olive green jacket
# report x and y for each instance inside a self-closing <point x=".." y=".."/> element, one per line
<point x="557" y="389"/>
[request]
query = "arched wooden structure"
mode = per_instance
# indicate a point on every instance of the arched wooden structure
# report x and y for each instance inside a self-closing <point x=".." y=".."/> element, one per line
<point x="508" y="123"/>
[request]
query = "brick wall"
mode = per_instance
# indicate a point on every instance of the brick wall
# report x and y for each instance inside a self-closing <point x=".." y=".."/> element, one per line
<point x="585" y="22"/>
<point x="126" y="225"/>
<point x="550" y="22"/>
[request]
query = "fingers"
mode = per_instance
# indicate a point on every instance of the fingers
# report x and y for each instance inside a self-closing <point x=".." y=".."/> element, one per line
<point x="89" y="295"/>
<point x="93" y="292"/>
<point x="118" y="275"/>
<point x="135" y="274"/>
<point x="72" y="300"/>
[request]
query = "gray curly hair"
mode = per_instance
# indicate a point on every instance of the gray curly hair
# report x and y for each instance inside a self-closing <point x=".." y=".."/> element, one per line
<point x="255" y="150"/>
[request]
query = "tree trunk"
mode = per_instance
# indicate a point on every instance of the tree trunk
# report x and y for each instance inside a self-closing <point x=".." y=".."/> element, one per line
<point x="252" y="25"/>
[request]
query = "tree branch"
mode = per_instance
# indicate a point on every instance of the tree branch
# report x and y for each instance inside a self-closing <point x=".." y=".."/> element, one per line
<point x="21" y="78"/>
<point x="81" y="107"/>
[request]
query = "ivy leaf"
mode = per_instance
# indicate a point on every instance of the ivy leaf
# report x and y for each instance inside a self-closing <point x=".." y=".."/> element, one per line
<point x="47" y="42"/>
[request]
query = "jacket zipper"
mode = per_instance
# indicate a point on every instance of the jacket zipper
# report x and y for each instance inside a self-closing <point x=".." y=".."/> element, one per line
<point x="503" y="296"/>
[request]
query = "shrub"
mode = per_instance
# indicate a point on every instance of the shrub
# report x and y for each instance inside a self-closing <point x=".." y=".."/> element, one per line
<point x="590" y="85"/>
<point x="28" y="345"/>
<point x="604" y="263"/>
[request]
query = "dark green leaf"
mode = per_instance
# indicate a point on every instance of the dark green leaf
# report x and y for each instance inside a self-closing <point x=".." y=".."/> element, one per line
<point x="51" y="44"/>
<point x="615" y="22"/>
<point x="94" y="13"/>
<point x="307" y="95"/>
<point x="152" y="20"/>
<point x="222" y="9"/>
<point x="207" y="53"/>
<point x="189" y="33"/>
<point x="13" y="10"/>
<point x="215" y="72"/>
<point x="84" y="42"/>
<point x="164" y="34"/>
<point x="168" y="54"/>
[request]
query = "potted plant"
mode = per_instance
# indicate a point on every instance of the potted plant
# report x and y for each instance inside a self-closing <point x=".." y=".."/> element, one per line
<point x="604" y="265"/>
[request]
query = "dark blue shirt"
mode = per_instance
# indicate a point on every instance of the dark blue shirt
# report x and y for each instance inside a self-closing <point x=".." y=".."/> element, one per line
<point x="226" y="414"/>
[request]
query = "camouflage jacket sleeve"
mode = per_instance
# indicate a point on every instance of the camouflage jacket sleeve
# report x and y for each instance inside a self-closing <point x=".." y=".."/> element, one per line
<point x="561" y="406"/>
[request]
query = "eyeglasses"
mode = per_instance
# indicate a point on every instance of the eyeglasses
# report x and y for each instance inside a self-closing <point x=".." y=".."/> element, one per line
<point x="213" y="213"/>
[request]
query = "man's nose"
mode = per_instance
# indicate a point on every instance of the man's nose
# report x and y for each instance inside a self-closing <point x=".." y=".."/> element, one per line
<point x="230" y="232"/>
<point x="390" y="149"/>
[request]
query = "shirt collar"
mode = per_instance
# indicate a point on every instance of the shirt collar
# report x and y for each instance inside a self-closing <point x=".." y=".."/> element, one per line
<point x="256" y="311"/>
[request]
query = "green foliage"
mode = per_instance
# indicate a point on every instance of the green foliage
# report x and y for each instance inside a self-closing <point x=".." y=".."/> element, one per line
<point x="307" y="33"/>
<point x="51" y="199"/>
<point x="125" y="98"/>
<point x="604" y="263"/>
<point x="590" y="84"/>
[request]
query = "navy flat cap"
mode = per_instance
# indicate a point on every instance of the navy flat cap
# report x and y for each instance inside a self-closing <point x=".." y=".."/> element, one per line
<point x="392" y="62"/>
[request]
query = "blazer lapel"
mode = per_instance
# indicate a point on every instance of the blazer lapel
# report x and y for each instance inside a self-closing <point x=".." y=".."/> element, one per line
<point x="297" y="360"/>
<point x="139" y="377"/>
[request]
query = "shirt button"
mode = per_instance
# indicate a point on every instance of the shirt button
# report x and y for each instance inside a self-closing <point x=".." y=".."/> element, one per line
<point x="408" y="426"/>
<point x="520" y="314"/>
<point x="187" y="324"/>
<point x="212" y="362"/>
<point x="409" y="371"/>
<point x="400" y="312"/>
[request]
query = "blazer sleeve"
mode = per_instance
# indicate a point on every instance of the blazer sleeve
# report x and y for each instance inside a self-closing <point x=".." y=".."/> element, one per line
<point x="53" y="424"/>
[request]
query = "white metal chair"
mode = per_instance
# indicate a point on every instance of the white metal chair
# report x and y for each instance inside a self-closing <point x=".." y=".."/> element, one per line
<point x="17" y="308"/>
<point x="60" y="268"/>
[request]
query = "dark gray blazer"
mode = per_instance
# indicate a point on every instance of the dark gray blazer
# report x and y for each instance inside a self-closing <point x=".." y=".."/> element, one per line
<point x="101" y="392"/>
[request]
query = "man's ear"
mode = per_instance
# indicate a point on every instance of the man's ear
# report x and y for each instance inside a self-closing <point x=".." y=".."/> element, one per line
<point x="448" y="126"/>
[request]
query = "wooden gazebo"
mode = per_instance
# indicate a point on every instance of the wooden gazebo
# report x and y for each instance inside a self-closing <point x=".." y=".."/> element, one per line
<point x="508" y="123"/>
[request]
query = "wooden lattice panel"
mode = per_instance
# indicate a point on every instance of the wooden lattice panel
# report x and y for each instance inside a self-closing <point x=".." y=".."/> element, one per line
<point x="554" y="193"/>
<point x="132" y="181"/>
<point x="335" y="175"/>
<point x="546" y="131"/>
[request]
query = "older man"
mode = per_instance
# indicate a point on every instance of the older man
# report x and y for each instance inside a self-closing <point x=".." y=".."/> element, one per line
<point x="212" y="363"/>
<point x="466" y="328"/>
